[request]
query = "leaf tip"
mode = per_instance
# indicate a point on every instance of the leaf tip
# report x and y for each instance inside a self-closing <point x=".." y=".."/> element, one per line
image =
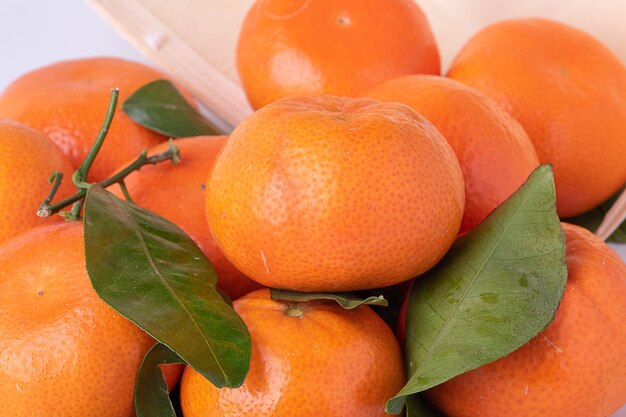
<point x="395" y="404"/>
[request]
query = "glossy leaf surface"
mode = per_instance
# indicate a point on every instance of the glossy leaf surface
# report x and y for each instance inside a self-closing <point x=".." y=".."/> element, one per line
<point x="151" y="395"/>
<point x="150" y="271"/>
<point x="160" y="107"/>
<point x="497" y="288"/>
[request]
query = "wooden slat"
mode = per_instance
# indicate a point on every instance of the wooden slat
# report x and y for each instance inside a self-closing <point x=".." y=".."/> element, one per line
<point x="613" y="218"/>
<point x="164" y="46"/>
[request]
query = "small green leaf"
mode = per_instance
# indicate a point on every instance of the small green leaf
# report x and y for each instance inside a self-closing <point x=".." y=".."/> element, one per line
<point x="160" y="107"/>
<point x="592" y="219"/>
<point x="395" y="295"/>
<point x="418" y="406"/>
<point x="345" y="300"/>
<point x="151" y="395"/>
<point x="153" y="273"/>
<point x="498" y="287"/>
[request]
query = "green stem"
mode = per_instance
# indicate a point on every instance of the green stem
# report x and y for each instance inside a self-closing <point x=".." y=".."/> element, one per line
<point x="75" y="210"/>
<point x="125" y="191"/>
<point x="55" y="178"/>
<point x="171" y="154"/>
<point x="80" y="176"/>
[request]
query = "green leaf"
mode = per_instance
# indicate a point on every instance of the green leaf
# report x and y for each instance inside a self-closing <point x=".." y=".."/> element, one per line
<point x="395" y="295"/>
<point x="160" y="107"/>
<point x="418" y="406"/>
<point x="151" y="395"/>
<point x="345" y="300"/>
<point x="592" y="219"/>
<point x="497" y="288"/>
<point x="153" y="273"/>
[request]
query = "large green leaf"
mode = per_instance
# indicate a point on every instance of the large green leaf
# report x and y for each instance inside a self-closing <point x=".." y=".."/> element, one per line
<point x="345" y="300"/>
<point x="592" y="219"/>
<point x="160" y="107"/>
<point x="153" y="273"/>
<point x="497" y="288"/>
<point x="151" y="396"/>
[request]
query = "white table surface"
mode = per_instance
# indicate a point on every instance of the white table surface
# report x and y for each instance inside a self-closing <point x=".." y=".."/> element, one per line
<point x="34" y="33"/>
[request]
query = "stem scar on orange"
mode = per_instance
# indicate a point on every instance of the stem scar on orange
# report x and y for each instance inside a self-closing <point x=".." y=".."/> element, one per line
<point x="326" y="193"/>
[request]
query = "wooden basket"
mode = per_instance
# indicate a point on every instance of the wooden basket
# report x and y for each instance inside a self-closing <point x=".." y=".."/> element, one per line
<point x="194" y="42"/>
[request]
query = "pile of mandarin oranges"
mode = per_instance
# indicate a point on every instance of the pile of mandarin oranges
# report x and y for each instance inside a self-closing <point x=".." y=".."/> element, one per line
<point x="358" y="170"/>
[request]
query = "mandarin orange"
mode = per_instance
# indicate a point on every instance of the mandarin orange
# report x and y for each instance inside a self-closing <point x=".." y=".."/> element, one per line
<point x="28" y="159"/>
<point x="495" y="153"/>
<point x="68" y="101"/>
<point x="65" y="353"/>
<point x="568" y="91"/>
<point x="338" y="47"/>
<point x="335" y="194"/>
<point x="311" y="359"/>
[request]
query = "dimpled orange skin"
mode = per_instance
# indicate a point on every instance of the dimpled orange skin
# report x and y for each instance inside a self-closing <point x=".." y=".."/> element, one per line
<point x="28" y="159"/>
<point x="171" y="374"/>
<point x="64" y="352"/>
<point x="569" y="93"/>
<point x="326" y="193"/>
<point x="339" y="47"/>
<point x="574" y="368"/>
<point x="177" y="192"/>
<point x="322" y="361"/>
<point x="495" y="153"/>
<point x="68" y="101"/>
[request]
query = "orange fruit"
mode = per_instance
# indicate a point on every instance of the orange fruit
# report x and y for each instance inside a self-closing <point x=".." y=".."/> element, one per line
<point x="28" y="159"/>
<point x="338" y="47"/>
<point x="567" y="90"/>
<point x="495" y="153"/>
<point x="400" y="329"/>
<point x="576" y="367"/>
<point x="171" y="374"/>
<point x="68" y="102"/>
<point x="326" y="193"/>
<point x="308" y="359"/>
<point x="177" y="192"/>
<point x="64" y="351"/>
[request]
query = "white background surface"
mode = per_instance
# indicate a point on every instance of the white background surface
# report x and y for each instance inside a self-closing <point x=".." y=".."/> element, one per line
<point x="34" y="33"/>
